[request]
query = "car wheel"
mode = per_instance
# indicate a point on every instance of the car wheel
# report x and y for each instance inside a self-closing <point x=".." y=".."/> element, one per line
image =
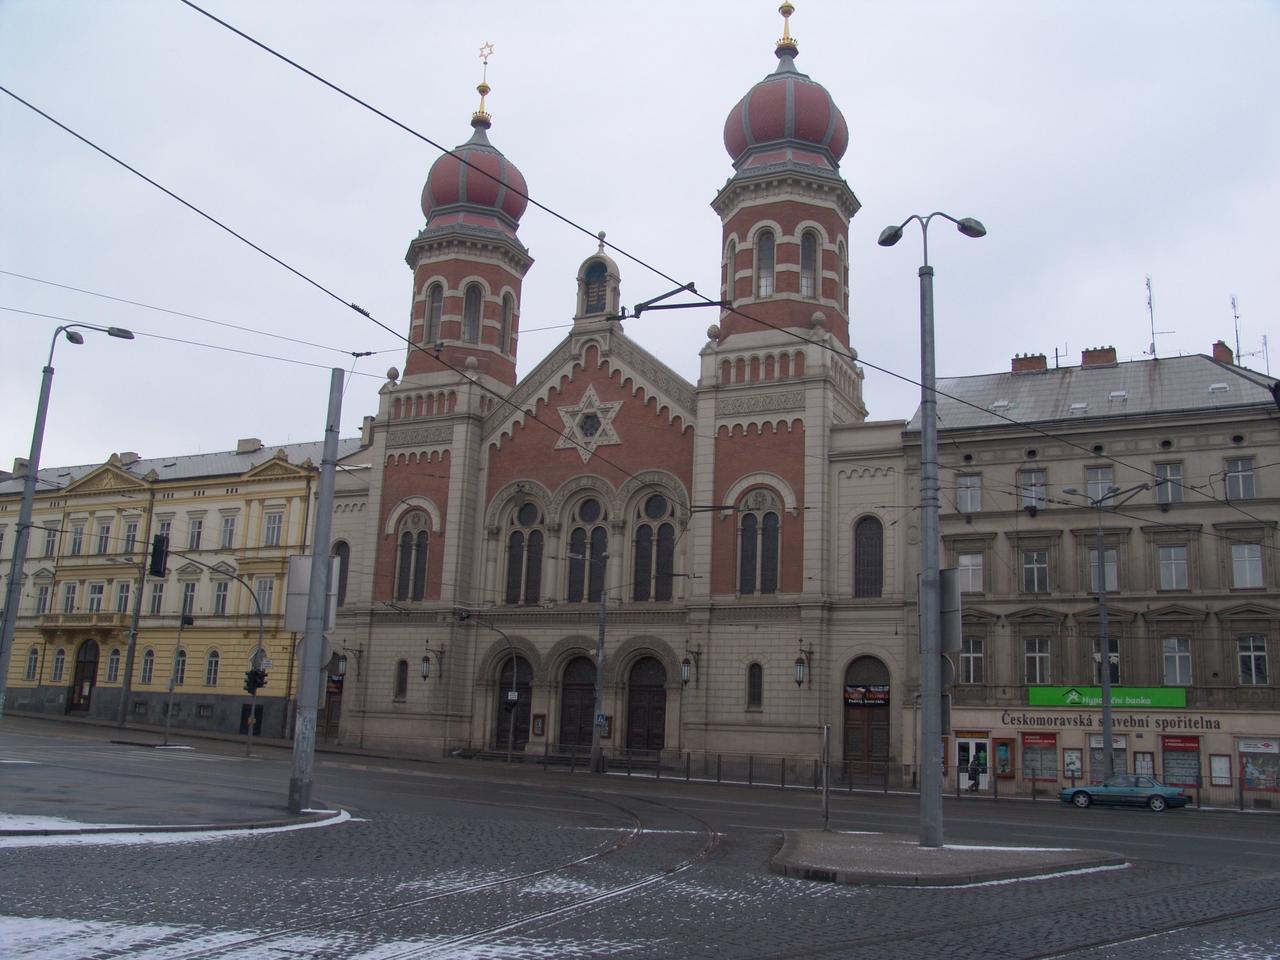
<point x="1156" y="803"/>
<point x="1081" y="799"/>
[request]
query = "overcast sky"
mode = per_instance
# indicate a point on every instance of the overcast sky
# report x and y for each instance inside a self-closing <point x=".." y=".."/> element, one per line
<point x="1099" y="143"/>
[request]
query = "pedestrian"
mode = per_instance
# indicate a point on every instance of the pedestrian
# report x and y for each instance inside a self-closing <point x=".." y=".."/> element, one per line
<point x="974" y="769"/>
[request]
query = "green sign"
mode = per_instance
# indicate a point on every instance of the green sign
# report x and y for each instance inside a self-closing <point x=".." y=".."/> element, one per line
<point x="1131" y="698"/>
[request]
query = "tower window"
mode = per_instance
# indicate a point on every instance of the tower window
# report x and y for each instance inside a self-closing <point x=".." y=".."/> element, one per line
<point x="764" y="263"/>
<point x="508" y="315"/>
<point x="758" y="543"/>
<point x="435" y="309"/>
<point x="471" y="314"/>
<point x="594" y="295"/>
<point x="809" y="264"/>
<point x="411" y="562"/>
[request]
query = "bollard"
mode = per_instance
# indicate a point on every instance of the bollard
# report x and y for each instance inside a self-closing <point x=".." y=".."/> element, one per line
<point x="782" y="773"/>
<point x="686" y="766"/>
<point x="750" y="769"/>
<point x="717" y="768"/>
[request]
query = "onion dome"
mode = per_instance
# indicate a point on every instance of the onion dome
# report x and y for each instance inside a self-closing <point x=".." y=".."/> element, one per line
<point x="475" y="185"/>
<point x="786" y="117"/>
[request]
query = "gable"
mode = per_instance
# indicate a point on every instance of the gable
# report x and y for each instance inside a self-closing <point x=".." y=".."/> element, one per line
<point x="105" y="479"/>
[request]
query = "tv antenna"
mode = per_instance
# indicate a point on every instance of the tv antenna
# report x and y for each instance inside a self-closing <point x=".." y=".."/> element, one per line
<point x="1151" y="313"/>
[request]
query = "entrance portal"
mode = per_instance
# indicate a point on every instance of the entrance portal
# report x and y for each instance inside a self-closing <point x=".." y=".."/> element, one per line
<point x="577" y="703"/>
<point x="647" y="706"/>
<point x="86" y="676"/>
<point x="866" y="719"/>
<point x="512" y="722"/>
<point x="967" y="748"/>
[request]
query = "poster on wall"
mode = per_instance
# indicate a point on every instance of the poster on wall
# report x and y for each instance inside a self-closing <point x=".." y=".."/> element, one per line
<point x="1004" y="757"/>
<point x="866" y="694"/>
<point x="1039" y="756"/>
<point x="1181" y="761"/>
<point x="1260" y="764"/>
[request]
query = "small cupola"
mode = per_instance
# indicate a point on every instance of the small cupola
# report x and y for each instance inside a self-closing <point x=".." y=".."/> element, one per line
<point x="599" y="287"/>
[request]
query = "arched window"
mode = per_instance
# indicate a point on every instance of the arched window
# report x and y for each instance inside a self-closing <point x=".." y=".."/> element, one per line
<point x="113" y="666"/>
<point x="764" y="263"/>
<point x="842" y="272"/>
<point x="211" y="664"/>
<point x="730" y="261"/>
<point x="471" y="314"/>
<point x="594" y="296"/>
<point x="342" y="553"/>
<point x="435" y="310"/>
<point x="59" y="665"/>
<point x="180" y="667"/>
<point x="655" y="542"/>
<point x="524" y="555"/>
<point x="508" y="319"/>
<point x="411" y="561"/>
<point x="759" y="527"/>
<point x="809" y="264"/>
<point x="401" y="690"/>
<point x="868" y="558"/>
<point x="588" y="542"/>
<point x="33" y="662"/>
<point x="755" y="686"/>
<point x="148" y="666"/>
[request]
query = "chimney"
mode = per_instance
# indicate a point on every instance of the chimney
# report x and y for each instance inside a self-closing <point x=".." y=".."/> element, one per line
<point x="1222" y="353"/>
<point x="248" y="445"/>
<point x="127" y="457"/>
<point x="1098" y="357"/>
<point x="20" y="465"/>
<point x="1029" y="363"/>
<point x="366" y="431"/>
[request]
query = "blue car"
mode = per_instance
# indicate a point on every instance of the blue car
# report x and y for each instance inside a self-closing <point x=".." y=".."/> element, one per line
<point x="1126" y="789"/>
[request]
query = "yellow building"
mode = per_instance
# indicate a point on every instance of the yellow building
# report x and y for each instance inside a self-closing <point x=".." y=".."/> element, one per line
<point x="232" y="520"/>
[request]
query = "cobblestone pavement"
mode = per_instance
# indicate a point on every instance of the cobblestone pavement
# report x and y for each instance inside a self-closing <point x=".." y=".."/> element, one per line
<point x="483" y="862"/>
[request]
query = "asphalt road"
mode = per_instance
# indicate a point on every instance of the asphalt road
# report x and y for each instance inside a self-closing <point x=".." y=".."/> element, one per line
<point x="476" y="860"/>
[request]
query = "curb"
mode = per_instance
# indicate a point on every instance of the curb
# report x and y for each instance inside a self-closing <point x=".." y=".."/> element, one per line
<point x="317" y="817"/>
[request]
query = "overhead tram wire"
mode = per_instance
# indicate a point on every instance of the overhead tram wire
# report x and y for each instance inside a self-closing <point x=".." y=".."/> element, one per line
<point x="648" y="266"/>
<point x="731" y="309"/>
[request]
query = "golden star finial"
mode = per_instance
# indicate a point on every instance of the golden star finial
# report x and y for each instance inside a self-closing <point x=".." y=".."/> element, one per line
<point x="787" y="42"/>
<point x="486" y="51"/>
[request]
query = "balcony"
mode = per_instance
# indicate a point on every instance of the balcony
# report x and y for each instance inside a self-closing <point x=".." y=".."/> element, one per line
<point x="83" y="621"/>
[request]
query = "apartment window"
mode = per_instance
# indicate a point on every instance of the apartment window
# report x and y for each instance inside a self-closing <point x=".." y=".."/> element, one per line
<point x="1177" y="661"/>
<point x="764" y="263"/>
<point x="59" y="665"/>
<point x="401" y="689"/>
<point x="969" y="572"/>
<point x="809" y="264"/>
<point x="1114" y="659"/>
<point x="1032" y="488"/>
<point x="157" y="598"/>
<point x="104" y="538"/>
<point x="1099" y="481"/>
<point x="969" y="493"/>
<point x="1253" y="660"/>
<point x="211" y="665"/>
<point x="1168" y="483"/>
<point x="42" y="599"/>
<point x="69" y="598"/>
<point x="33" y="663"/>
<point x="265" y="589"/>
<point x="1036" y="660"/>
<point x="228" y="532"/>
<point x="273" y="523"/>
<point x="1110" y="568"/>
<point x="96" y="593"/>
<point x="163" y="528"/>
<point x="1173" y="567"/>
<point x="77" y="539"/>
<point x="148" y="666"/>
<point x="755" y="686"/>
<point x="1240" y="479"/>
<point x="50" y="541"/>
<point x="1246" y="565"/>
<point x="130" y="536"/>
<point x="971" y="660"/>
<point x="220" y="598"/>
<point x="189" y="598"/>
<point x="195" y="530"/>
<point x="113" y="667"/>
<point x="180" y="667"/>
<point x="1035" y="571"/>
<point x="124" y="591"/>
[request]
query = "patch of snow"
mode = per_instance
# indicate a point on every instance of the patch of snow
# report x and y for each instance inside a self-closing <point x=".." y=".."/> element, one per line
<point x="125" y="839"/>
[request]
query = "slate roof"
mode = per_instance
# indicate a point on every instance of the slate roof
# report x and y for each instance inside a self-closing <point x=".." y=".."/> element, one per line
<point x="1136" y="388"/>
<point x="191" y="467"/>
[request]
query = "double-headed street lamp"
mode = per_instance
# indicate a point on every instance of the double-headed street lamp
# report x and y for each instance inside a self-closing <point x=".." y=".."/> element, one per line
<point x="930" y="606"/>
<point x="13" y="592"/>
<point x="1112" y="495"/>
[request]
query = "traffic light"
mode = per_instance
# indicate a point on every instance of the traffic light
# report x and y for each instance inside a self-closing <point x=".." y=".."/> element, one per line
<point x="159" y="555"/>
<point x="254" y="680"/>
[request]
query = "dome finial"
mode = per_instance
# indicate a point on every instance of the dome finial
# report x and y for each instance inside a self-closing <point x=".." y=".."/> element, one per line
<point x="480" y="118"/>
<point x="787" y="46"/>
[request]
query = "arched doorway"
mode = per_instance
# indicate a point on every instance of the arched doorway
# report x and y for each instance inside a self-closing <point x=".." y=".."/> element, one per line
<point x="647" y="706"/>
<point x="866" y="718"/>
<point x="86" y="676"/>
<point x="577" y="703"/>
<point x="504" y="731"/>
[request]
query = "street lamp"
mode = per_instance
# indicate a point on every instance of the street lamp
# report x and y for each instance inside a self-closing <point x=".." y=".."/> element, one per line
<point x="13" y="592"/>
<point x="597" y="752"/>
<point x="930" y="606"/>
<point x="513" y="695"/>
<point x="1103" y="656"/>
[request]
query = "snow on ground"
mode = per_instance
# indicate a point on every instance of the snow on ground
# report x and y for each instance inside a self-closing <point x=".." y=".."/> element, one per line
<point x="125" y="838"/>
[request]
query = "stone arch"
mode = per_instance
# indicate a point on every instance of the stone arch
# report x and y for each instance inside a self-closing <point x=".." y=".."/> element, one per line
<point x="618" y="667"/>
<point x="575" y="487"/>
<point x="761" y="478"/>
<point x="503" y="500"/>
<point x="408" y="505"/>
<point x="497" y="653"/>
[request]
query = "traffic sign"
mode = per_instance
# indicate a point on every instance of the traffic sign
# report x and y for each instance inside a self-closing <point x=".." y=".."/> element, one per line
<point x="512" y="696"/>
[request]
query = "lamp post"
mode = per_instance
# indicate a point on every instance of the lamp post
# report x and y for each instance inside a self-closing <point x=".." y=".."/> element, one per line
<point x="929" y="610"/>
<point x="1103" y="656"/>
<point x="13" y="591"/>
<point x="597" y="723"/>
<point x="185" y="620"/>
<point x="513" y="695"/>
